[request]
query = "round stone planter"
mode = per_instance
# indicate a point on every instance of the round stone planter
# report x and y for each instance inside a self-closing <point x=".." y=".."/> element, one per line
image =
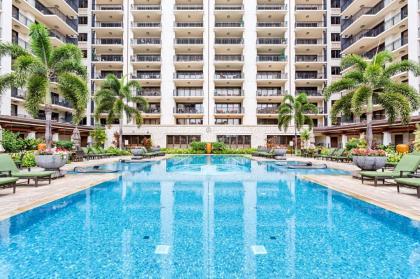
<point x="280" y="152"/>
<point x="137" y="151"/>
<point x="51" y="162"/>
<point x="369" y="163"/>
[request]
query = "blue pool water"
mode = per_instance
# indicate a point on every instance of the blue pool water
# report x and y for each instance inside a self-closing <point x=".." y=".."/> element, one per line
<point x="209" y="217"/>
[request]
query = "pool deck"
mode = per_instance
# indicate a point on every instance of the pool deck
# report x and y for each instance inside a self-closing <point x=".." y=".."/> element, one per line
<point x="27" y="197"/>
<point x="386" y="196"/>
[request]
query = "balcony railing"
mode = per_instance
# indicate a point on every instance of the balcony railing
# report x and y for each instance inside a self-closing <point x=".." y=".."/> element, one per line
<point x="65" y="39"/>
<point x="228" y="41"/>
<point x="271" y="58"/>
<point x="228" y="24"/>
<point x="145" y="24"/>
<point x="309" y="58"/>
<point x="229" y="58"/>
<point x="145" y="7"/>
<point x="145" y="58"/>
<point x="55" y="11"/>
<point x="108" y="58"/>
<point x="107" y="7"/>
<point x="146" y="75"/>
<point x="309" y="24"/>
<point x="186" y="110"/>
<point x="18" y="93"/>
<point x="272" y="24"/>
<point x="188" y="75"/>
<point x="310" y="7"/>
<point x="264" y="92"/>
<point x="153" y="110"/>
<point x="397" y="44"/>
<point x="108" y="41"/>
<point x="271" y="7"/>
<point x="310" y="75"/>
<point x="320" y="110"/>
<point x="310" y="41"/>
<point x="228" y="7"/>
<point x="105" y="24"/>
<point x="345" y="3"/>
<point x="374" y="32"/>
<point x="311" y="93"/>
<point x="228" y="75"/>
<point x="189" y="24"/>
<point x="271" y="75"/>
<point x="346" y="22"/>
<point x="21" y="18"/>
<point x="62" y="103"/>
<point x="189" y="41"/>
<point x="268" y="110"/>
<point x="188" y="58"/>
<point x="271" y="41"/>
<point x="146" y="41"/>
<point x="221" y="110"/>
<point x="188" y="7"/>
<point x="188" y="93"/>
<point x="228" y="92"/>
<point x="149" y="92"/>
<point x="104" y="74"/>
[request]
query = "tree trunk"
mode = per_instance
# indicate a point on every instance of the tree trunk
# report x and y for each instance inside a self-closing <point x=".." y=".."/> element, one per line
<point x="369" y="113"/>
<point x="48" y="132"/>
<point x="121" y="134"/>
<point x="295" y="145"/>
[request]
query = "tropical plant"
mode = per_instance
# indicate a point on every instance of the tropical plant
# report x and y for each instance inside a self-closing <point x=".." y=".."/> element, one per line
<point x="355" y="143"/>
<point x="295" y="109"/>
<point x="64" y="144"/>
<point x="98" y="136"/>
<point x="35" y="69"/>
<point x="372" y="80"/>
<point x="28" y="159"/>
<point x="368" y="152"/>
<point x="198" y="146"/>
<point x="305" y="135"/>
<point x="115" y="98"/>
<point x="417" y="138"/>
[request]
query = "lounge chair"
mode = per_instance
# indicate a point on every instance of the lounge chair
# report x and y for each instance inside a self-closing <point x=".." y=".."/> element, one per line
<point x="339" y="155"/>
<point x="407" y="165"/>
<point x="8" y="167"/>
<point x="411" y="182"/>
<point x="6" y="182"/>
<point x="263" y="152"/>
<point x="324" y="156"/>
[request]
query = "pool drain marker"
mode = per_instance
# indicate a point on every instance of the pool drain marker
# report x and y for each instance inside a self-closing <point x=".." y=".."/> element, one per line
<point x="258" y="250"/>
<point x="162" y="249"/>
<point x="146" y="237"/>
<point x="273" y="237"/>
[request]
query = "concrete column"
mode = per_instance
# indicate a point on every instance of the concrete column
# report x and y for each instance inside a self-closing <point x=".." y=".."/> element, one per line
<point x="6" y="61"/>
<point x="327" y="141"/>
<point x="343" y="140"/>
<point x="55" y="137"/>
<point x="387" y="138"/>
<point x="31" y="135"/>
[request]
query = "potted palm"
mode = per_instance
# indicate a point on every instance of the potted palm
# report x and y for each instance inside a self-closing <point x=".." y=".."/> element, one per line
<point x="369" y="160"/>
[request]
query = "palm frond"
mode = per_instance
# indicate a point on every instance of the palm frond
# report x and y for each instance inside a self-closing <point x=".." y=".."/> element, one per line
<point x="360" y="99"/>
<point x="382" y="57"/>
<point x="400" y="67"/>
<point x="342" y="106"/>
<point x="65" y="52"/>
<point x="395" y="105"/>
<point x="37" y="90"/>
<point x="40" y="42"/>
<point x="353" y="60"/>
<point x="339" y="86"/>
<point x="13" y="50"/>
<point x="406" y="90"/>
<point x="74" y="90"/>
<point x="70" y="66"/>
<point x="10" y="80"/>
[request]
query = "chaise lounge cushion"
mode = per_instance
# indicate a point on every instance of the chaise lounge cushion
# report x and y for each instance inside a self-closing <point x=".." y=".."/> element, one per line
<point x="7" y="180"/>
<point x="408" y="164"/>
<point x="413" y="182"/>
<point x="8" y="166"/>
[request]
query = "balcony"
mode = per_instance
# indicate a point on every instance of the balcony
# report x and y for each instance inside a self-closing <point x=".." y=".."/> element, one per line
<point x="102" y="75"/>
<point x="228" y="92"/>
<point x="108" y="41"/>
<point x="310" y="41"/>
<point x="107" y="24"/>
<point x="271" y="75"/>
<point x="146" y="75"/>
<point x="267" y="110"/>
<point x="223" y="7"/>
<point x="146" y="41"/>
<point x="221" y="24"/>
<point x="188" y="7"/>
<point x="145" y="7"/>
<point x="398" y="43"/>
<point x="228" y="75"/>
<point x="228" y="58"/>
<point x="309" y="24"/>
<point x="271" y="7"/>
<point x="61" y="103"/>
<point x="188" y="92"/>
<point x="311" y="93"/>
<point x="107" y="58"/>
<point x="61" y="38"/>
<point x="145" y="58"/>
<point x="188" y="110"/>
<point x="310" y="7"/>
<point x="146" y="24"/>
<point x="310" y="75"/>
<point x="270" y="92"/>
<point x="188" y="58"/>
<point x="18" y="93"/>
<point x="228" y="41"/>
<point x="228" y="110"/>
<point x="188" y="75"/>
<point x="55" y="12"/>
<point x="189" y="41"/>
<point x="149" y="92"/>
<point x="153" y="110"/>
<point x="319" y="111"/>
<point x="271" y="41"/>
<point x="107" y="7"/>
<point x="346" y="22"/>
<point x="271" y="58"/>
<point x="272" y="24"/>
<point x="23" y="20"/>
<point x="308" y="58"/>
<point x="189" y="24"/>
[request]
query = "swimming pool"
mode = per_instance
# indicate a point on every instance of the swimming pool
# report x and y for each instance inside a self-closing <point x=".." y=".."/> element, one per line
<point x="209" y="217"/>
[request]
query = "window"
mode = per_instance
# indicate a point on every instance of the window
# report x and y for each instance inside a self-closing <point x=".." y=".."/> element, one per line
<point x="235" y="141"/>
<point x="335" y="3"/>
<point x="83" y="20"/>
<point x="268" y="121"/>
<point x="335" y="70"/>
<point x="84" y="53"/>
<point x="189" y="121"/>
<point x="14" y="110"/>
<point x="82" y="37"/>
<point x="151" y="121"/>
<point x="335" y="37"/>
<point x="228" y="121"/>
<point x="83" y="3"/>
<point x="178" y="141"/>
<point x="335" y="20"/>
<point x="335" y="53"/>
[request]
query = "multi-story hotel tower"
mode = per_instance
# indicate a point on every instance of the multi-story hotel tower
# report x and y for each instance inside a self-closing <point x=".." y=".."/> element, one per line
<point x="215" y="70"/>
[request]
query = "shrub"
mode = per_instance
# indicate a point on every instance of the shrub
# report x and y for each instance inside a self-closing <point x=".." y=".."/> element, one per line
<point x="64" y="144"/>
<point x="116" y="151"/>
<point x="218" y="146"/>
<point x="367" y="152"/>
<point x="98" y="136"/>
<point x="147" y="143"/>
<point x="28" y="159"/>
<point x="31" y="144"/>
<point x="356" y="143"/>
<point x="198" y="146"/>
<point x="11" y="142"/>
<point x="394" y="157"/>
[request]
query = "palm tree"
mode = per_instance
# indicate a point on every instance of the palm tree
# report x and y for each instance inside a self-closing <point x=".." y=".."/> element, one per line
<point x="115" y="98"/>
<point x="305" y="136"/>
<point x="35" y="69"/>
<point x="369" y="80"/>
<point x="295" y="110"/>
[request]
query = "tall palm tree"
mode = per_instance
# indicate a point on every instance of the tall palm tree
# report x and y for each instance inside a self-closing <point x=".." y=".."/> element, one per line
<point x="115" y="98"/>
<point x="34" y="70"/>
<point x="369" y="80"/>
<point x="295" y="109"/>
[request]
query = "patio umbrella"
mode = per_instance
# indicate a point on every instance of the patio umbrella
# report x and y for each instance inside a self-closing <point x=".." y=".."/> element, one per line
<point x="75" y="138"/>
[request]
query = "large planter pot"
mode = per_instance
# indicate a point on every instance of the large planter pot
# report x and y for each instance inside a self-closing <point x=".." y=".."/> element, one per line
<point x="51" y="162"/>
<point x="137" y="151"/>
<point x="208" y="148"/>
<point x="280" y="152"/>
<point x="369" y="163"/>
<point x="403" y="148"/>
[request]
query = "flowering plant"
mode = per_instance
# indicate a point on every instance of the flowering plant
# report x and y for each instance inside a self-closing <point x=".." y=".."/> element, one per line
<point x="368" y="152"/>
<point x="53" y="151"/>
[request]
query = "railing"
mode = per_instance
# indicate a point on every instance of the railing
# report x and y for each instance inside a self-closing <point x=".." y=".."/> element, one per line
<point x="276" y="7"/>
<point x="221" y="110"/>
<point x="345" y="4"/>
<point x="268" y="110"/>
<point x="145" y="24"/>
<point x="228" y="7"/>
<point x="397" y="44"/>
<point x="63" y="38"/>
<point x="62" y="103"/>
<point x="188" y="58"/>
<point x="309" y="58"/>
<point x="188" y="7"/>
<point x="149" y="92"/>
<point x="188" y="75"/>
<point x="271" y="41"/>
<point x="107" y="7"/>
<point x="55" y="11"/>
<point x="228" y="24"/>
<point x="103" y="75"/>
<point x="268" y="92"/>
<point x="152" y="110"/>
<point x="146" y="41"/>
<point x="228" y="92"/>
<point x="228" y="41"/>
<point x="189" y="24"/>
<point x="184" y="110"/>
<point x="310" y="41"/>
<point x="21" y="18"/>
<point x="108" y="58"/>
<point x="272" y="24"/>
<point x="230" y="58"/>
<point x="364" y="11"/>
<point x="374" y="32"/>
<point x="188" y="92"/>
<point x="228" y="75"/>
<point x="146" y="75"/>
<point x="320" y="110"/>
<point x="105" y="24"/>
<point x="312" y="93"/>
<point x="74" y="4"/>
<point x="145" y="7"/>
<point x="271" y="58"/>
<point x="309" y="24"/>
<point x="189" y="41"/>
<point x="310" y="7"/>
<point x="145" y="58"/>
<point x="271" y="75"/>
<point x="309" y="75"/>
<point x="109" y="41"/>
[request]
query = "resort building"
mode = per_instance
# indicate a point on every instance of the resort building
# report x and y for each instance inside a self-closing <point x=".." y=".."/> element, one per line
<point x="368" y="27"/>
<point x="213" y="70"/>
